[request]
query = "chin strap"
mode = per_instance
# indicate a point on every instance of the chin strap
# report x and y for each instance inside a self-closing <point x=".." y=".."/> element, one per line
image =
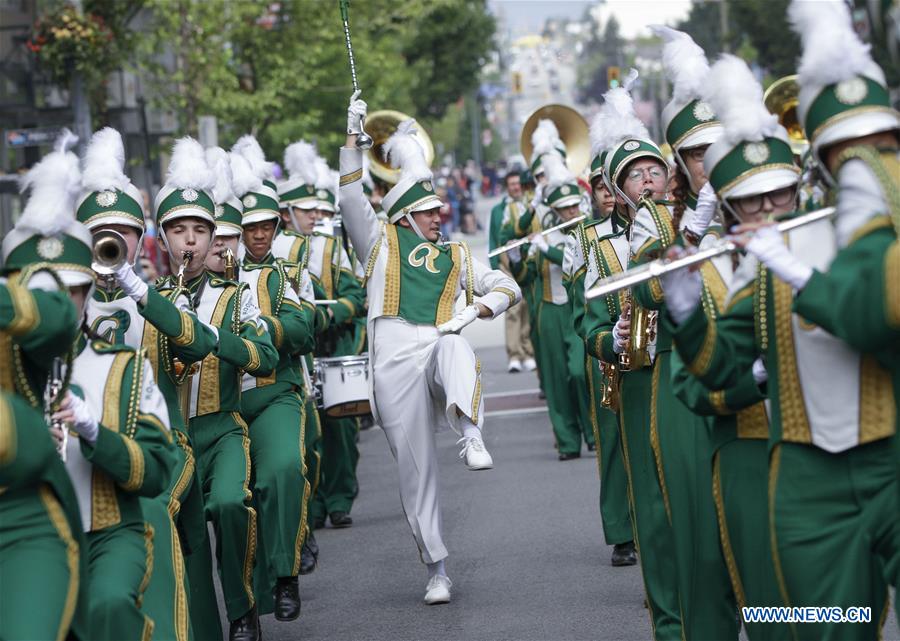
<point x="415" y="227"/>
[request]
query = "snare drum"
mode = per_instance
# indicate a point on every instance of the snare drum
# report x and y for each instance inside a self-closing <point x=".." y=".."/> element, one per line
<point x="344" y="385"/>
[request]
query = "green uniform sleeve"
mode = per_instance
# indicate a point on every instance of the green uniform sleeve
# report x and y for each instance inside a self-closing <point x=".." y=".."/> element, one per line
<point x="292" y="328"/>
<point x="707" y="402"/>
<point x="191" y="340"/>
<point x="648" y="294"/>
<point x="141" y="460"/>
<point x="575" y="291"/>
<point x="42" y="323"/>
<point x="597" y="326"/>
<point x="554" y="255"/>
<point x="523" y="225"/>
<point x="350" y="298"/>
<point x="858" y="298"/>
<point x="26" y="447"/>
<point x="251" y="349"/>
<point x="494" y="232"/>
<point x="719" y="352"/>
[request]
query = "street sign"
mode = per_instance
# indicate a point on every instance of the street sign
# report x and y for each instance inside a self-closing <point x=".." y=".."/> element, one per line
<point x="18" y="138"/>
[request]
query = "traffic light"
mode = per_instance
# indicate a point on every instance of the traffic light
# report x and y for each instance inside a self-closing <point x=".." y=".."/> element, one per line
<point x="517" y="82"/>
<point x="612" y="77"/>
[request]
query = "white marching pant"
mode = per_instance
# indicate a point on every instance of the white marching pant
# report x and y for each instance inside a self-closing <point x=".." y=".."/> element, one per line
<point x="421" y="379"/>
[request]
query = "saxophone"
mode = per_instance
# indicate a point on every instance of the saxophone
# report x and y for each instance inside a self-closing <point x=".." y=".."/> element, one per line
<point x="643" y="321"/>
<point x="52" y="396"/>
<point x="609" y="394"/>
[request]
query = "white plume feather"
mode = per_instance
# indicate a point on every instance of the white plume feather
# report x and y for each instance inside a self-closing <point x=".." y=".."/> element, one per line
<point x="299" y="160"/>
<point x="832" y="51"/>
<point x="104" y="162"/>
<point x="545" y="138"/>
<point x="617" y="120"/>
<point x="243" y="179"/>
<point x="219" y="163"/>
<point x="403" y="152"/>
<point x="323" y="174"/>
<point x="737" y="98"/>
<point x="188" y="168"/>
<point x="248" y="147"/>
<point x="684" y="62"/>
<point x="556" y="171"/>
<point x="53" y="185"/>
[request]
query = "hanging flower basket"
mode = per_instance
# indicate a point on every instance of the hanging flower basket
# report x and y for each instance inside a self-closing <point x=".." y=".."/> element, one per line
<point x="65" y="40"/>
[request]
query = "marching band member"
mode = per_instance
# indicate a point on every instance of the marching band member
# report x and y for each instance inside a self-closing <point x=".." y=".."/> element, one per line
<point x="741" y="426"/>
<point x="581" y="265"/>
<point x="331" y="270"/>
<point x="634" y="164"/>
<point x="273" y="405"/>
<point x="565" y="381"/>
<point x="424" y="373"/>
<point x="690" y="125"/>
<point x="125" y="310"/>
<point x="219" y="435"/>
<point x="832" y="464"/>
<point x="43" y="554"/>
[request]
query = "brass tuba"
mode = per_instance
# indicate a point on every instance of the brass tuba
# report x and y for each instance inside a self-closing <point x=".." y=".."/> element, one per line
<point x="781" y="99"/>
<point x="380" y="125"/>
<point x="573" y="131"/>
<point x="109" y="253"/>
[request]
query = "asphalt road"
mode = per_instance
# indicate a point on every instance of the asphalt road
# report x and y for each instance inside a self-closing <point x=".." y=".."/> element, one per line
<point x="527" y="557"/>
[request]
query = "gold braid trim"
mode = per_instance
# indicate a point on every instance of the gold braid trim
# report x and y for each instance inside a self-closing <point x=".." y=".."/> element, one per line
<point x="654" y="442"/>
<point x="148" y="563"/>
<point x="304" y="501"/>
<point x="250" y="549"/>
<point x="351" y="177"/>
<point x="727" y="551"/>
<point x="7" y="433"/>
<point x="61" y="525"/>
<point x="511" y="295"/>
<point x="892" y="284"/>
<point x="253" y="356"/>
<point x="476" y="396"/>
<point x="25" y="311"/>
<point x="186" y="337"/>
<point x="136" y="464"/>
<point x="701" y="363"/>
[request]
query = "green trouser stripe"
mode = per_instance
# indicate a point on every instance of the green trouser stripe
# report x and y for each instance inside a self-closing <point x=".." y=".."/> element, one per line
<point x="35" y="562"/>
<point x="118" y="554"/>
<point x="741" y="470"/>
<point x="340" y="455"/>
<point x="566" y="392"/>
<point x="280" y="489"/>
<point x="313" y="461"/>
<point x="614" y="511"/>
<point x="652" y="530"/>
<point x="707" y="600"/>
<point x="834" y="518"/>
<point x="222" y="447"/>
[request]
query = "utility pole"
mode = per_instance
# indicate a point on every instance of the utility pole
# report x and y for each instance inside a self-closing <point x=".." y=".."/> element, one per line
<point x="723" y="25"/>
<point x="81" y="108"/>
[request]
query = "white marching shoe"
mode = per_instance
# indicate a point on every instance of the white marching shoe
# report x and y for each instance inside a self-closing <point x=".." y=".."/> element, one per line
<point x="438" y="590"/>
<point x="530" y="364"/>
<point x="475" y="453"/>
<point x="515" y="366"/>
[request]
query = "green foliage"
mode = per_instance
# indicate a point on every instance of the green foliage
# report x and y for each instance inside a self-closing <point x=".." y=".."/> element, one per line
<point x="280" y="70"/>
<point x="754" y="27"/>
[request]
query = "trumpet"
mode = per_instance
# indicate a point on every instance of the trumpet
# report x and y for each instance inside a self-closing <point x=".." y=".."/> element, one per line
<point x="662" y="266"/>
<point x="524" y="241"/>
<point x="52" y="396"/>
<point x="109" y="254"/>
<point x="230" y="264"/>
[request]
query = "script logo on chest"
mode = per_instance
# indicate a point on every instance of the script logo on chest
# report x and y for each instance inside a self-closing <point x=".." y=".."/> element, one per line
<point x="424" y="254"/>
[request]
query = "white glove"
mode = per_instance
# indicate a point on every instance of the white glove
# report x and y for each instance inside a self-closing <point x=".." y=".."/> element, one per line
<point x="621" y="335"/>
<point x="131" y="283"/>
<point x="540" y="241"/>
<point x="462" y="318"/>
<point x="75" y="412"/>
<point x="705" y="211"/>
<point x="768" y="246"/>
<point x="682" y="289"/>
<point x="355" y="113"/>
<point x="515" y="255"/>
<point x="538" y="197"/>
<point x="760" y="375"/>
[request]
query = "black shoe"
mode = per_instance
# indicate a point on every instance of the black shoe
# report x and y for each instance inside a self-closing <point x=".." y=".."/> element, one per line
<point x="592" y="447"/>
<point x="313" y="545"/>
<point x="318" y="523"/>
<point x="307" y="560"/>
<point x="287" y="598"/>
<point x="245" y="628"/>
<point x="624" y="554"/>
<point x="340" y="520"/>
<point x="568" y="456"/>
